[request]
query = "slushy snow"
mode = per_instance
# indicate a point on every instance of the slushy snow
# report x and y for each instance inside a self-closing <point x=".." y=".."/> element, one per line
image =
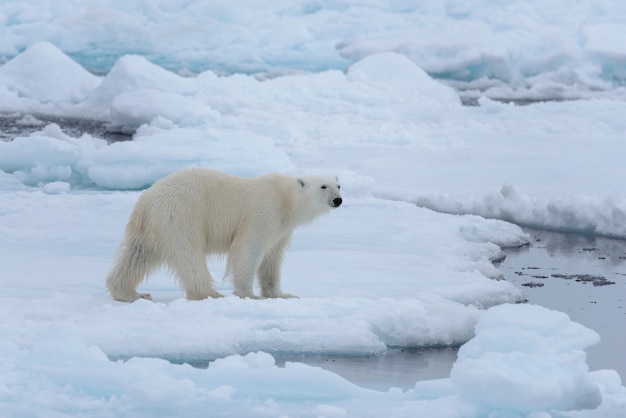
<point x="370" y="91"/>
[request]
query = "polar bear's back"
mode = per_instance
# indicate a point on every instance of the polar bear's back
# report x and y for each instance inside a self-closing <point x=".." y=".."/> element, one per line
<point x="205" y="209"/>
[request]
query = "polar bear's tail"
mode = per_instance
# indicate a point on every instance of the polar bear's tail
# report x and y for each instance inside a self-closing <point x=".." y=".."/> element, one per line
<point x="133" y="263"/>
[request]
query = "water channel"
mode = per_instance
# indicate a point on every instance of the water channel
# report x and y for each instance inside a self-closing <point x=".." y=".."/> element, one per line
<point x="582" y="276"/>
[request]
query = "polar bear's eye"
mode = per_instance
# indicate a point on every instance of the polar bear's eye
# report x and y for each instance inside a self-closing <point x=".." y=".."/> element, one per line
<point x="323" y="187"/>
<point x="338" y="186"/>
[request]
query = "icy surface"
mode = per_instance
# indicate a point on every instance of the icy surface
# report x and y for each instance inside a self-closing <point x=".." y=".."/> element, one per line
<point x="532" y="165"/>
<point x="340" y="87"/>
<point x="519" y="48"/>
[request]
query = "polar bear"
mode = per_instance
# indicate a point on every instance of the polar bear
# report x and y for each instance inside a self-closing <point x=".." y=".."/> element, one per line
<point x="190" y="214"/>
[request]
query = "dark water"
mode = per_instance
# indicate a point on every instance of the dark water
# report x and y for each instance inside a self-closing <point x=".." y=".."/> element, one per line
<point x="585" y="277"/>
<point x="399" y="368"/>
<point x="13" y="125"/>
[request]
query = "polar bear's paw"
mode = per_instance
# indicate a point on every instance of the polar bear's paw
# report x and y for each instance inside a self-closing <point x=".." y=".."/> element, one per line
<point x="279" y="295"/>
<point x="211" y="294"/>
<point x="131" y="297"/>
<point x="246" y="295"/>
<point x="286" y="296"/>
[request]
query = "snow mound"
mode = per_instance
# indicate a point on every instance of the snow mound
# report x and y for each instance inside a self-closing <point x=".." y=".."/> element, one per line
<point x="43" y="74"/>
<point x="527" y="358"/>
<point x="131" y="73"/>
<point x="398" y="72"/>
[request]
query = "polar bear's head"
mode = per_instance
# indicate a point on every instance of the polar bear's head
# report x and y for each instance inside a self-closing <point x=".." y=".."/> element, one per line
<point x="323" y="192"/>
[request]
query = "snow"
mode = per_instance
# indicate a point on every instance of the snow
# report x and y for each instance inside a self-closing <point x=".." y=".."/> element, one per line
<point x="370" y="91"/>
<point x="559" y="375"/>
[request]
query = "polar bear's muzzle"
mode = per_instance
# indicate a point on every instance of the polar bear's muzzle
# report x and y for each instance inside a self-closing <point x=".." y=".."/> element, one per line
<point x="337" y="202"/>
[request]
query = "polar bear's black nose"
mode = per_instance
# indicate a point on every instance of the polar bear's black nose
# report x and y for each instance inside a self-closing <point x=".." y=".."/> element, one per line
<point x="337" y="202"/>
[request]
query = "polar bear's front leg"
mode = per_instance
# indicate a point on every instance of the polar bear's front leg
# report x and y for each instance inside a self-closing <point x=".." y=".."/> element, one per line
<point x="269" y="271"/>
<point x="244" y="258"/>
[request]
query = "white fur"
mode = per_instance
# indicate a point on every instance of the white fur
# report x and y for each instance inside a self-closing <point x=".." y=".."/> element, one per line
<point x="192" y="213"/>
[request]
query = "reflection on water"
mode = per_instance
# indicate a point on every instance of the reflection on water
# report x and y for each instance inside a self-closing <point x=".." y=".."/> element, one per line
<point x="400" y="368"/>
<point x="558" y="264"/>
<point x="397" y="367"/>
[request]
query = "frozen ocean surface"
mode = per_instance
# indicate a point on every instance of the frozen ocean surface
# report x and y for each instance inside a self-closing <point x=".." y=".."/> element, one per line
<point x="371" y="91"/>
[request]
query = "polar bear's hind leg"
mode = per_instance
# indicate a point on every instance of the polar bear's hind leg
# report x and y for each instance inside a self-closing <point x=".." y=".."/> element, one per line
<point x="134" y="262"/>
<point x="191" y="269"/>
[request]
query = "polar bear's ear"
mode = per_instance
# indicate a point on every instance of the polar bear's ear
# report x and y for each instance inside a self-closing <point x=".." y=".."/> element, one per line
<point x="301" y="183"/>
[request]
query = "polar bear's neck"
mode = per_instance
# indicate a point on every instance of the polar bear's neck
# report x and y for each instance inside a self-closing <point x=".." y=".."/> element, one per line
<point x="298" y="206"/>
<point x="304" y="211"/>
